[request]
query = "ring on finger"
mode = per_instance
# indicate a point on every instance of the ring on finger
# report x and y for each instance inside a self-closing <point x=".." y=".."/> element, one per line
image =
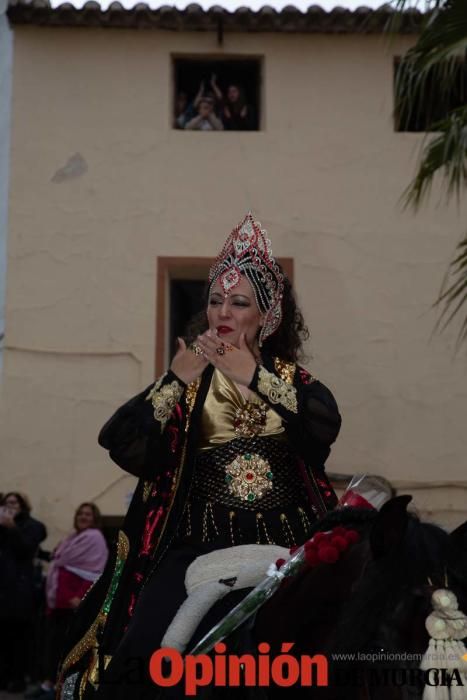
<point x="196" y="349"/>
<point x="221" y="349"/>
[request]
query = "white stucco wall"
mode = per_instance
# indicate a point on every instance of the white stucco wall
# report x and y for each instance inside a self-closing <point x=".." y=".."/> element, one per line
<point x="324" y="177"/>
<point x="6" y="48"/>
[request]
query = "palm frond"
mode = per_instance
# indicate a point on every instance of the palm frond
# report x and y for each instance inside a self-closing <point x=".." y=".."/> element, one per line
<point x="424" y="96"/>
<point x="401" y="7"/>
<point x="447" y="153"/>
<point x="445" y="32"/>
<point x="453" y="294"/>
<point x="429" y="76"/>
<point x="435" y="65"/>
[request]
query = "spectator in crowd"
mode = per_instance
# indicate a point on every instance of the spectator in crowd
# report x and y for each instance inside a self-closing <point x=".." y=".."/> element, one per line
<point x="237" y="115"/>
<point x="206" y="119"/>
<point x="76" y="563"/>
<point x="184" y="110"/>
<point x="208" y="94"/>
<point x="20" y="535"/>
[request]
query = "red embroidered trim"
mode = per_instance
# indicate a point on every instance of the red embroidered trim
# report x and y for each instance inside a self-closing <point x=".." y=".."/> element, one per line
<point x="150" y="525"/>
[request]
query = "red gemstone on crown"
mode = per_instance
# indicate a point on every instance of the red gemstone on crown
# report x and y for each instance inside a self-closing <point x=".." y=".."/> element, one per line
<point x="249" y="476"/>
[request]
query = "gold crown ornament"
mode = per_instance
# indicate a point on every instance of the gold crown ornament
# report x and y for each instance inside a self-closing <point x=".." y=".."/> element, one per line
<point x="247" y="251"/>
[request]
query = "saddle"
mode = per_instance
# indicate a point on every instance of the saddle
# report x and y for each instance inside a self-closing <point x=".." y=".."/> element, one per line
<point x="213" y="575"/>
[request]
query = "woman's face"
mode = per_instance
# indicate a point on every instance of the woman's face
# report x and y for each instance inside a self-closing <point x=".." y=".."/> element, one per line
<point x="233" y="93"/>
<point x="205" y="108"/>
<point x="13" y="505"/>
<point x="234" y="314"/>
<point x="84" y="518"/>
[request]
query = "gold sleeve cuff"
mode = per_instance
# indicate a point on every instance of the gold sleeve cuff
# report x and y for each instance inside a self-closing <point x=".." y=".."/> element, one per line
<point x="164" y="399"/>
<point x="277" y="390"/>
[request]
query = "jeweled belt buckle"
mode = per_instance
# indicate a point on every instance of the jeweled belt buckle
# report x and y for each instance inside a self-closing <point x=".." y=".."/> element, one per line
<point x="249" y="477"/>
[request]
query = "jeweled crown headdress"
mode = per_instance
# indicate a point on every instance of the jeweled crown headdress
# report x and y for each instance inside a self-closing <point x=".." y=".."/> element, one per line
<point x="247" y="251"/>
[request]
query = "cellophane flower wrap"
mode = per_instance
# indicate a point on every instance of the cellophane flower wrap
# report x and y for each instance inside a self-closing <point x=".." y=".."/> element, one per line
<point x="366" y="491"/>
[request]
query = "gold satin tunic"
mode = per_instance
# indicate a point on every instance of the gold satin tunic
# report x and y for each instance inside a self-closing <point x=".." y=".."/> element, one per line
<point x="219" y="508"/>
<point x="224" y="398"/>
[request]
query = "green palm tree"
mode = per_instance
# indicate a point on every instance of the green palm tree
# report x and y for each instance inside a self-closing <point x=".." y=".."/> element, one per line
<point x="428" y="75"/>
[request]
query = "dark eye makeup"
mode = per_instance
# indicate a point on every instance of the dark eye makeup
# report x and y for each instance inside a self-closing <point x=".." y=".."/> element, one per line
<point x="217" y="302"/>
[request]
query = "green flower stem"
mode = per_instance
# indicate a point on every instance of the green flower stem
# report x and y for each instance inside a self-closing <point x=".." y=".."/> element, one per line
<point x="250" y="604"/>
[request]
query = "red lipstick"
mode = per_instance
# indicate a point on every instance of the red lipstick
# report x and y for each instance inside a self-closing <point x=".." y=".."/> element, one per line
<point x="222" y="330"/>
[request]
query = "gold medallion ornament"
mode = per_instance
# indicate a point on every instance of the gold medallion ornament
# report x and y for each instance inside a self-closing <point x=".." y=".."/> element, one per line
<point x="277" y="390"/>
<point x="250" y="420"/>
<point x="164" y="399"/>
<point x="249" y="477"/>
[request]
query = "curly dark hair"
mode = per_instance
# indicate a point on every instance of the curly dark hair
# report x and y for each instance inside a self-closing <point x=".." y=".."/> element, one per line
<point x="22" y="499"/>
<point x="286" y="342"/>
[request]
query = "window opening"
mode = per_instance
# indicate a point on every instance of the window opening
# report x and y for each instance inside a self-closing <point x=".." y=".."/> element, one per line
<point x="217" y="94"/>
<point x="186" y="300"/>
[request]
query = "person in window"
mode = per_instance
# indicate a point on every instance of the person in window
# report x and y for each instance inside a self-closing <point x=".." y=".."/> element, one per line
<point x="184" y="110"/>
<point x="236" y="114"/>
<point x="229" y="446"/>
<point x="20" y="536"/>
<point x="76" y="563"/>
<point x="206" y="119"/>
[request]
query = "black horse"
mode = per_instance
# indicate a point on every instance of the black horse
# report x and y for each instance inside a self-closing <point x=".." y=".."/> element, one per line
<point x="367" y="611"/>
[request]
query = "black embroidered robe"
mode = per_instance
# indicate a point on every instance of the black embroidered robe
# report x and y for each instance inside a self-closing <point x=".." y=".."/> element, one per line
<point x="154" y="437"/>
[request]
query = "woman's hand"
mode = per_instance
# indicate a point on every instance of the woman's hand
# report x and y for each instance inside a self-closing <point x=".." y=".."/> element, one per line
<point x="74" y="602"/>
<point x="238" y="364"/>
<point x="186" y="365"/>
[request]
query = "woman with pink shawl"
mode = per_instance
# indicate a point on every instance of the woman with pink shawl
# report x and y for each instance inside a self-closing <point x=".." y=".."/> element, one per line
<point x="76" y="563"/>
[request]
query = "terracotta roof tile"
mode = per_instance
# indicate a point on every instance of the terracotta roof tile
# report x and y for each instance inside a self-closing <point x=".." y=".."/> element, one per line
<point x="315" y="19"/>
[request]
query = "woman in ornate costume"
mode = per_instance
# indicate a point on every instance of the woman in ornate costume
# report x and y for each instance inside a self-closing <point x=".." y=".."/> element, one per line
<point x="229" y="447"/>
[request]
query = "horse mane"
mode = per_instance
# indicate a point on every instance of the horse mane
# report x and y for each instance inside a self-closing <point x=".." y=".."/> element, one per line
<point x="357" y="518"/>
<point x="375" y="598"/>
<point x="390" y="580"/>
